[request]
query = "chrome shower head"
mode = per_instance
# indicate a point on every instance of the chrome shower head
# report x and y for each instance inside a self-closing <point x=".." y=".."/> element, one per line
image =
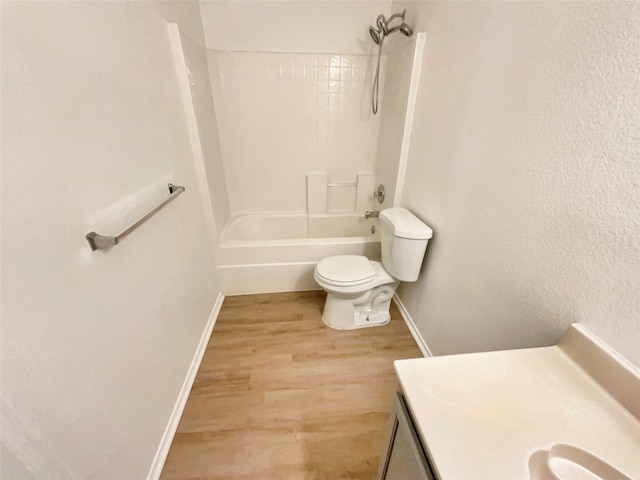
<point x="406" y="30"/>
<point x="383" y="30"/>
<point x="378" y="35"/>
<point x="375" y="35"/>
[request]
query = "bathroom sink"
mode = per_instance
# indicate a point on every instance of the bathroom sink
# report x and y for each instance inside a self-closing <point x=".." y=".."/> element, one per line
<point x="565" y="412"/>
<point x="566" y="462"/>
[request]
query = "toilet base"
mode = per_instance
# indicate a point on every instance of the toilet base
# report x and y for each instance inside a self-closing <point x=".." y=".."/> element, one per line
<point x="359" y="321"/>
<point x="370" y="309"/>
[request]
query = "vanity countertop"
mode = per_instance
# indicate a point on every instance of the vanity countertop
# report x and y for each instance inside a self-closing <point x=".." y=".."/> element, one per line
<point x="495" y="415"/>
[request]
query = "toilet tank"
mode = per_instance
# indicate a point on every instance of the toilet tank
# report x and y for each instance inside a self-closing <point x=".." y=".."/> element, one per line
<point x="403" y="241"/>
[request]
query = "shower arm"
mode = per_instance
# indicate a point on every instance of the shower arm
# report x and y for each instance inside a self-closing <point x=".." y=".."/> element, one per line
<point x="383" y="24"/>
<point x="396" y="15"/>
<point x="394" y="29"/>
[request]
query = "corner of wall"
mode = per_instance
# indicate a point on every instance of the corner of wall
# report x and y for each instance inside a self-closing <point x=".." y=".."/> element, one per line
<point x="413" y="328"/>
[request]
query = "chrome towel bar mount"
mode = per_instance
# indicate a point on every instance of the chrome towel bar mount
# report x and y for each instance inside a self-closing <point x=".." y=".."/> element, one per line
<point x="103" y="242"/>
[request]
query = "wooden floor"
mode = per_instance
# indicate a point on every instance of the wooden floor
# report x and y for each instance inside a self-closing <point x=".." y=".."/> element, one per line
<point x="281" y="396"/>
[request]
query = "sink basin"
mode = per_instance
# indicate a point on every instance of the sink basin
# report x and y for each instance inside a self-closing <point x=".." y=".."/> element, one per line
<point x="566" y="462"/>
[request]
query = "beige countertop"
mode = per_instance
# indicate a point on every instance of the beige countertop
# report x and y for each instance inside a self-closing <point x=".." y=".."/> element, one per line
<point x="496" y="415"/>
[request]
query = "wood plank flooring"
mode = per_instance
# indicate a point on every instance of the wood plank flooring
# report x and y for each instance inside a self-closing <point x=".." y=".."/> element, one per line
<point x="280" y="396"/>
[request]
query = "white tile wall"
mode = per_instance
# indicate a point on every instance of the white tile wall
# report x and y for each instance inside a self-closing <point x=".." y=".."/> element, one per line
<point x="283" y="115"/>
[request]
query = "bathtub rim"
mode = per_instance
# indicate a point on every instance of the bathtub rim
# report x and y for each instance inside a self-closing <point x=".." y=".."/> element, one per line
<point x="299" y="241"/>
<point x="343" y="240"/>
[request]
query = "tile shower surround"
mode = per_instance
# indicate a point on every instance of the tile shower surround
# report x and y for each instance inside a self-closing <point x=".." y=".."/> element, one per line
<point x="284" y="115"/>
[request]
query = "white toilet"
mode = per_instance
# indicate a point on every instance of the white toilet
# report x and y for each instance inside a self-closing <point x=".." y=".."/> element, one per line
<point x="359" y="290"/>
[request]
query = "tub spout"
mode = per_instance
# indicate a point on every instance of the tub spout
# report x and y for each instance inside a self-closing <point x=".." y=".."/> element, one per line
<point x="368" y="214"/>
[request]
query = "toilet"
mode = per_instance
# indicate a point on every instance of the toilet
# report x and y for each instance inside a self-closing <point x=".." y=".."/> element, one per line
<point x="359" y="290"/>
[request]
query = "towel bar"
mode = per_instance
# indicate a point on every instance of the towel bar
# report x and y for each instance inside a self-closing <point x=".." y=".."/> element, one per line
<point x="102" y="242"/>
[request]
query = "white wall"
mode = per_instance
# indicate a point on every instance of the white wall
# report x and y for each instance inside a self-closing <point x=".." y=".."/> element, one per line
<point x="393" y="111"/>
<point x="95" y="346"/>
<point x="524" y="159"/>
<point x="303" y="26"/>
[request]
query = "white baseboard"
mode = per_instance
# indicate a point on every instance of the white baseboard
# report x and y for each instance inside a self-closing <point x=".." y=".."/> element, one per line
<point x="181" y="401"/>
<point x="422" y="345"/>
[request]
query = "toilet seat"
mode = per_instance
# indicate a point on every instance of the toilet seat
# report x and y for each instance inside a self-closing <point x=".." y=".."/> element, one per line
<point x="345" y="270"/>
<point x="352" y="287"/>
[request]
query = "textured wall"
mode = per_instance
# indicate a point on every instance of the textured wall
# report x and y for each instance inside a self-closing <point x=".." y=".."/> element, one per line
<point x="95" y="346"/>
<point x="525" y="159"/>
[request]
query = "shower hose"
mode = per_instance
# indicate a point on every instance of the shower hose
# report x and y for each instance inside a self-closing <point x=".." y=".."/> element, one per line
<point x="376" y="80"/>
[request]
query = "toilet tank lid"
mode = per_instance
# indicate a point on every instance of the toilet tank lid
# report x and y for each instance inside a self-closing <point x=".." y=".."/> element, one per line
<point x="405" y="224"/>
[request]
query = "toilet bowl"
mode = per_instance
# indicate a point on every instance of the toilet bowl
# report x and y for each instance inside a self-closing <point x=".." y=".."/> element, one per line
<point x="359" y="290"/>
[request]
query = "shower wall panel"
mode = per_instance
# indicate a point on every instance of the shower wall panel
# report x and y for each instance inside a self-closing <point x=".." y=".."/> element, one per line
<point x="283" y="115"/>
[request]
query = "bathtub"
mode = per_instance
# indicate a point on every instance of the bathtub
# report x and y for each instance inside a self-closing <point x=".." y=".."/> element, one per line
<point x="261" y="253"/>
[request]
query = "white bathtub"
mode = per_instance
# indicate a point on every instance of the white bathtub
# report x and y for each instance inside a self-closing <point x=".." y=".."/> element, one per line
<point x="278" y="252"/>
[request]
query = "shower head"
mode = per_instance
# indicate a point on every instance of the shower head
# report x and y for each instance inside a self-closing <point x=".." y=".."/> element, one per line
<point x="375" y="35"/>
<point x="383" y="30"/>
<point x="406" y="30"/>
<point x="378" y="35"/>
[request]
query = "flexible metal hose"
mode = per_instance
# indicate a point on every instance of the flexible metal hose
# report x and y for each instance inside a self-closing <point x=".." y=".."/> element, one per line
<point x="376" y="79"/>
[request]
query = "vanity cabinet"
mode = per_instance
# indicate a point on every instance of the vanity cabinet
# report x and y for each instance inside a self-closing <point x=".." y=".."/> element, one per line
<point x="403" y="457"/>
